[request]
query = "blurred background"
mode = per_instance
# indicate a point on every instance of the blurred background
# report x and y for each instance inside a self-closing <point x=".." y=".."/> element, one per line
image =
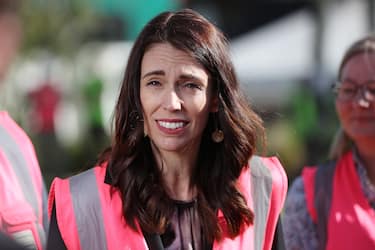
<point x="64" y="82"/>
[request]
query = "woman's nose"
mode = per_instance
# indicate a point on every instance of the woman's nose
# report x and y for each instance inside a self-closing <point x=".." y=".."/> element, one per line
<point x="172" y="101"/>
<point x="362" y="98"/>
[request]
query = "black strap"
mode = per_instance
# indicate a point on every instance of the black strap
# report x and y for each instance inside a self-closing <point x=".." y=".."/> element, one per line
<point x="153" y="241"/>
<point x="323" y="198"/>
<point x="9" y="244"/>
<point x="55" y="241"/>
<point x="278" y="240"/>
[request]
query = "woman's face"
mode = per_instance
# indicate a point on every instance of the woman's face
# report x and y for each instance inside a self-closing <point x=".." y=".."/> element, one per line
<point x="176" y="97"/>
<point x="357" y="115"/>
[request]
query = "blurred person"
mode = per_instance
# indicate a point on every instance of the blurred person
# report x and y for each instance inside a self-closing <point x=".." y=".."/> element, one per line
<point x="23" y="210"/>
<point x="181" y="171"/>
<point x="332" y="206"/>
<point x="43" y="103"/>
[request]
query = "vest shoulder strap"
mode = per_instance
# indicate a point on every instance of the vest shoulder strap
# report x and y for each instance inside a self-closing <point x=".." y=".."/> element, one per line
<point x="79" y="210"/>
<point x="322" y="199"/>
<point x="269" y="187"/>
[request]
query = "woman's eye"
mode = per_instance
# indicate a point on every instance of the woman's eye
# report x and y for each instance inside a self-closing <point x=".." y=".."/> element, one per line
<point x="349" y="89"/>
<point x="153" y="83"/>
<point x="192" y="85"/>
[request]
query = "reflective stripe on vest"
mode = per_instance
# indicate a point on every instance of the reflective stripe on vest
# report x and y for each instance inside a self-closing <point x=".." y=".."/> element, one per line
<point x="95" y="226"/>
<point x="84" y="208"/>
<point x="261" y="190"/>
<point x="19" y="164"/>
<point x="89" y="211"/>
<point x="274" y="187"/>
<point x="22" y="214"/>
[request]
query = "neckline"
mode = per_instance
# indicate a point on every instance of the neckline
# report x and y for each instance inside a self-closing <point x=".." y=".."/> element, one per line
<point x="184" y="203"/>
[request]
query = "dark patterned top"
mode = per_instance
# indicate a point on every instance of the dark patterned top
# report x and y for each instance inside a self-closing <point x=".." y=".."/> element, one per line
<point x="299" y="229"/>
<point x="184" y="232"/>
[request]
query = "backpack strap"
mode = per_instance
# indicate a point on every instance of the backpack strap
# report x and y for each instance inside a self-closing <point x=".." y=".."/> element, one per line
<point x="323" y="198"/>
<point x="278" y="241"/>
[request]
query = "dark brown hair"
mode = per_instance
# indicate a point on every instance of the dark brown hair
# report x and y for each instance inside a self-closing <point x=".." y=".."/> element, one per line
<point x="131" y="162"/>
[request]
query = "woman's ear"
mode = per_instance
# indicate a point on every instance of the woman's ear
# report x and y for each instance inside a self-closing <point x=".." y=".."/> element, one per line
<point x="214" y="104"/>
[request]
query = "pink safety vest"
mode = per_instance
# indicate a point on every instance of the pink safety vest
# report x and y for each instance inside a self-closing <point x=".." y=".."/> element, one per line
<point x="89" y="216"/>
<point x="351" y="219"/>
<point x="23" y="198"/>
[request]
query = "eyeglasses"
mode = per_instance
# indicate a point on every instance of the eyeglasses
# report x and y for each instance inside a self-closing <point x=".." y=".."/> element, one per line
<point x="348" y="90"/>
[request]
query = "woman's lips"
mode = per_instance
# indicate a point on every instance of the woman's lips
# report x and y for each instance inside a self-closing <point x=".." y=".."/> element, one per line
<point x="171" y="126"/>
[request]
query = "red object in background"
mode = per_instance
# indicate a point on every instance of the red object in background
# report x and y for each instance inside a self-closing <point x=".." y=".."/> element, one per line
<point x="44" y="100"/>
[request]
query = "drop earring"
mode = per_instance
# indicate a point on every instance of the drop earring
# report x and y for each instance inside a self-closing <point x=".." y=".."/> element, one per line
<point x="217" y="135"/>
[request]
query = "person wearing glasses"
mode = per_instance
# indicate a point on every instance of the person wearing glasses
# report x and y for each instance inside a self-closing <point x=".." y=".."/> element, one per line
<point x="332" y="205"/>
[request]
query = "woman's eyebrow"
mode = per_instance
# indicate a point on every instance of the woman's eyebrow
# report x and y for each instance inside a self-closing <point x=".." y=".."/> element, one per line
<point x="154" y="72"/>
<point x="190" y="77"/>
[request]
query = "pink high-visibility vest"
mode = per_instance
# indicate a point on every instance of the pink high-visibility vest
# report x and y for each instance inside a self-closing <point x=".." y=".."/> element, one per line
<point x="23" y="198"/>
<point x="89" y="215"/>
<point x="351" y="219"/>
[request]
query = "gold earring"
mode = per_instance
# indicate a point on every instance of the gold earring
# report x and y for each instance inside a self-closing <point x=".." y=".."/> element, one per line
<point x="218" y="135"/>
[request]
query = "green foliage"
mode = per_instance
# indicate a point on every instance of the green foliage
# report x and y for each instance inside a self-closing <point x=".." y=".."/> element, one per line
<point x="55" y="25"/>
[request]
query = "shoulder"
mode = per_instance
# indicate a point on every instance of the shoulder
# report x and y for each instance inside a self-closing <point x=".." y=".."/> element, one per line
<point x="269" y="187"/>
<point x="271" y="169"/>
<point x="295" y="208"/>
<point x="300" y="198"/>
<point x="14" y="139"/>
<point x="263" y="165"/>
<point x="296" y="193"/>
<point x="5" y="119"/>
<point x="84" y="201"/>
<point x="268" y="177"/>
<point x="81" y="188"/>
<point x="11" y="127"/>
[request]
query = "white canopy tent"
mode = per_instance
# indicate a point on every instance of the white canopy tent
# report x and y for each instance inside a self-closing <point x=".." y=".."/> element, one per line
<point x="270" y="60"/>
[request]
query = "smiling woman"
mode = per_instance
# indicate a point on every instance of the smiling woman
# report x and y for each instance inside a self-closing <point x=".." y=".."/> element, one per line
<point x="177" y="99"/>
<point x="164" y="180"/>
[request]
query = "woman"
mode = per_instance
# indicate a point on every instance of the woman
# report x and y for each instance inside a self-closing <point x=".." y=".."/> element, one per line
<point x="333" y="206"/>
<point x="176" y="176"/>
